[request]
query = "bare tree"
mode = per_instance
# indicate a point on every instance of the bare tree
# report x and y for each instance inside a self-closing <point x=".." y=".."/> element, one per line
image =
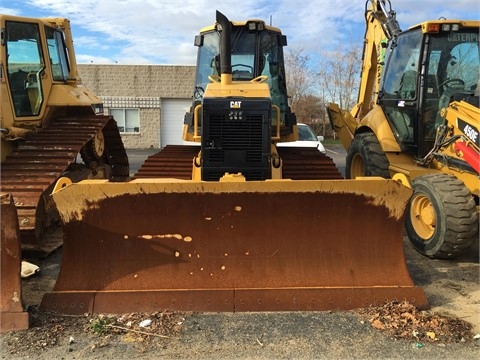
<point x="300" y="88"/>
<point x="298" y="76"/>
<point x="308" y="108"/>
<point x="339" y="75"/>
<point x="335" y="80"/>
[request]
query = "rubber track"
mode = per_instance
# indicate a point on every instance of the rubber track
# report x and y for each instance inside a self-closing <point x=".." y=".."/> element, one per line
<point x="39" y="161"/>
<point x="175" y="161"/>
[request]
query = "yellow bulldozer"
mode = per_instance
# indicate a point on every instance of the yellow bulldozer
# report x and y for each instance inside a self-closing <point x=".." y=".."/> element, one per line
<point x="418" y="119"/>
<point x="230" y="222"/>
<point x="48" y="118"/>
<point x="51" y="127"/>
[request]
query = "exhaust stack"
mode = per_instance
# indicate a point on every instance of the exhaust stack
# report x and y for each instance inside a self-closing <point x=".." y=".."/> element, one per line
<point x="225" y="49"/>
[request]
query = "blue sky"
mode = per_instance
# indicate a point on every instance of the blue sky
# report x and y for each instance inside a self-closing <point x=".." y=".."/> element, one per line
<point x="162" y="31"/>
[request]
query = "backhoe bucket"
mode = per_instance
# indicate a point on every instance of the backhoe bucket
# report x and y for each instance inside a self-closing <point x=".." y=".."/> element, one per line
<point x="277" y="245"/>
<point x="12" y="314"/>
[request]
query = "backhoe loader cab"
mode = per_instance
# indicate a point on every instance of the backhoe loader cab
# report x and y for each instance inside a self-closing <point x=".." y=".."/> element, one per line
<point x="426" y="68"/>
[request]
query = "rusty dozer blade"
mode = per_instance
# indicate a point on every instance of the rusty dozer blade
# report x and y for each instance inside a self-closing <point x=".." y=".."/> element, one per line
<point x="12" y="314"/>
<point x="278" y="245"/>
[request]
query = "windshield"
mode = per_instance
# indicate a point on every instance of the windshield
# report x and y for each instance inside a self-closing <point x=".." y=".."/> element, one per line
<point x="400" y="76"/>
<point x="254" y="53"/>
<point x="454" y="62"/>
<point x="306" y="134"/>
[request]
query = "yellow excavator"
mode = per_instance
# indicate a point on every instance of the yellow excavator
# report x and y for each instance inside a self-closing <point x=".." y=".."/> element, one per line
<point x="418" y="119"/>
<point x="49" y="121"/>
<point x="230" y="222"/>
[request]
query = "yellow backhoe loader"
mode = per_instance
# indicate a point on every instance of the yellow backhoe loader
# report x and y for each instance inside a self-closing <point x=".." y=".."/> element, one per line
<point x="48" y="120"/>
<point x="418" y="119"/>
<point x="233" y="223"/>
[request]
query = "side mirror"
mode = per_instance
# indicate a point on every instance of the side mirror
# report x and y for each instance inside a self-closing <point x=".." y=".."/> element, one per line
<point x="320" y="138"/>
<point x="198" y="40"/>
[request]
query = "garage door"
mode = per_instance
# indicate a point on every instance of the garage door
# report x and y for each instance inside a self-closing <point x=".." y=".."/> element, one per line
<point x="173" y="112"/>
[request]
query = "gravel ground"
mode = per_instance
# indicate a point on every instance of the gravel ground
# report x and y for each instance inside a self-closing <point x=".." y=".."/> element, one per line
<point x="319" y="335"/>
<point x="452" y="289"/>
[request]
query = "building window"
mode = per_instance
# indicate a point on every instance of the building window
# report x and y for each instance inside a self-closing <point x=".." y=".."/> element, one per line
<point x="128" y="120"/>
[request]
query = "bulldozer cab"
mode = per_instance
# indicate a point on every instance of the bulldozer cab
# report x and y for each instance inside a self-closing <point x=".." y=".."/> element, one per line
<point x="256" y="53"/>
<point x="427" y="67"/>
<point x="240" y="107"/>
<point x="25" y="65"/>
<point x="37" y="54"/>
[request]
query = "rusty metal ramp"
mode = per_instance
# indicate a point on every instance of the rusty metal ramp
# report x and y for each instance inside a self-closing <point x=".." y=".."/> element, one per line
<point x="278" y="245"/>
<point x="12" y="314"/>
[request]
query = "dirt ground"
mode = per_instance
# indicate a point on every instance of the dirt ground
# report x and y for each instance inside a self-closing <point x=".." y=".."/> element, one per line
<point x="449" y="330"/>
<point x="452" y="286"/>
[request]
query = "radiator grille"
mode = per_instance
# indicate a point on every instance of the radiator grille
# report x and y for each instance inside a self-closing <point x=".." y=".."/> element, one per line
<point x="240" y="137"/>
<point x="240" y="145"/>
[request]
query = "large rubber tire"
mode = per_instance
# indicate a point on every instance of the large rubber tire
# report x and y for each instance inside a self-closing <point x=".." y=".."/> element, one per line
<point x="365" y="157"/>
<point x="441" y="220"/>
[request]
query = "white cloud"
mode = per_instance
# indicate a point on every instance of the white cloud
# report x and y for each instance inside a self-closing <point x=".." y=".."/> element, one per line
<point x="152" y="31"/>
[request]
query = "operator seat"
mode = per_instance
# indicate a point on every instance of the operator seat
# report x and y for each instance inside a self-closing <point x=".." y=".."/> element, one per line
<point x="20" y="98"/>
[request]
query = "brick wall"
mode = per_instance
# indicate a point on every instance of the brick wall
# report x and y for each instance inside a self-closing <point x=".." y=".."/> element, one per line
<point x="141" y="87"/>
<point x="164" y="81"/>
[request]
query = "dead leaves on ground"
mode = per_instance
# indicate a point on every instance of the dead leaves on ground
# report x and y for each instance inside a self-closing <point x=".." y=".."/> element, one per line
<point x="157" y="324"/>
<point x="404" y="320"/>
<point x="49" y="330"/>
